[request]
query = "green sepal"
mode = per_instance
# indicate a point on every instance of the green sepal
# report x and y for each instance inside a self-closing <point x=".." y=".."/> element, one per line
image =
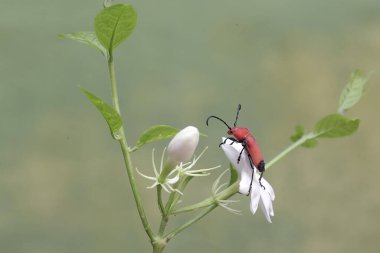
<point x="111" y="116"/>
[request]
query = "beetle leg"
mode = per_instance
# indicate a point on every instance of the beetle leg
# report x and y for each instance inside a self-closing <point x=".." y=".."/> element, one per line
<point x="233" y="140"/>
<point x="250" y="185"/>
<point x="261" y="168"/>
<point x="244" y="144"/>
<point x="261" y="176"/>
<point x="253" y="172"/>
<point x="241" y="152"/>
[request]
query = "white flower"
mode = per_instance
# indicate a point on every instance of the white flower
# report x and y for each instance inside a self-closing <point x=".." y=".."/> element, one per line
<point x="168" y="182"/>
<point x="186" y="168"/>
<point x="216" y="188"/>
<point x="180" y="170"/>
<point x="260" y="195"/>
<point x="181" y="148"/>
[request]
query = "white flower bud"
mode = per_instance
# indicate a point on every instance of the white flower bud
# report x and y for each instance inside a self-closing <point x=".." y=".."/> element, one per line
<point x="181" y="148"/>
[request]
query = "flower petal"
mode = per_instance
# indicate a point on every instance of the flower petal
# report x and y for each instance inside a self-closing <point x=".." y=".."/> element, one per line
<point x="266" y="205"/>
<point x="181" y="148"/>
<point x="255" y="197"/>
<point x="172" y="180"/>
<point x="261" y="195"/>
<point x="232" y="151"/>
<point x="268" y="188"/>
<point x="245" y="182"/>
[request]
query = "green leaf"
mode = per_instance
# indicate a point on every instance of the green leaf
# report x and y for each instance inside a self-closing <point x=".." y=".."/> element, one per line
<point x="335" y="125"/>
<point x="298" y="134"/>
<point x="156" y="133"/>
<point x="311" y="143"/>
<point x="88" y="38"/>
<point x="353" y="91"/>
<point x="234" y="176"/>
<point x="114" y="24"/>
<point x="111" y="116"/>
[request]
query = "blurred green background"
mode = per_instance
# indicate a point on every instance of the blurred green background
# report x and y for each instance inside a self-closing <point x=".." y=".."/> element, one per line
<point x="63" y="187"/>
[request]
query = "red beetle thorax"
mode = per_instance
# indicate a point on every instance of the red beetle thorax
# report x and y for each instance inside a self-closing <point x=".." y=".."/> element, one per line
<point x="243" y="134"/>
<point x="239" y="133"/>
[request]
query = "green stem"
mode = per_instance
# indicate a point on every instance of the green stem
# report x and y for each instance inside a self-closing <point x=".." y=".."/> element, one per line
<point x="168" y="167"/>
<point x="163" y="224"/>
<point x="172" y="201"/>
<point x="289" y="149"/>
<point x="164" y="215"/>
<point x="111" y="71"/>
<point x="159" y="245"/>
<point x="132" y="181"/>
<point x="223" y="195"/>
<point x="176" y="197"/>
<point x="126" y="155"/>
<point x="190" y="222"/>
<point x="171" y="198"/>
<point x="159" y="200"/>
<point x="165" y="210"/>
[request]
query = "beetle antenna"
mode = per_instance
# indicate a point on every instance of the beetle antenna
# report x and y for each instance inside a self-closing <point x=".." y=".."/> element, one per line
<point x="218" y="119"/>
<point x="237" y="114"/>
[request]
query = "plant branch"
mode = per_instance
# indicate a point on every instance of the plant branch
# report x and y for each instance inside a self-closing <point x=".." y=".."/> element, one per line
<point x="223" y="195"/>
<point x="111" y="71"/>
<point x="190" y="222"/>
<point x="293" y="146"/>
<point x="125" y="149"/>
<point x="164" y="216"/>
<point x="159" y="200"/>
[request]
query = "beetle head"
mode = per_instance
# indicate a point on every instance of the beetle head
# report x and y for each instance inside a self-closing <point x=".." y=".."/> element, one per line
<point x="230" y="129"/>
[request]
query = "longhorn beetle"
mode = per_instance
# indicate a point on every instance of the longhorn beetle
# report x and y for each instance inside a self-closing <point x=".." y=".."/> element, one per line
<point x="247" y="140"/>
